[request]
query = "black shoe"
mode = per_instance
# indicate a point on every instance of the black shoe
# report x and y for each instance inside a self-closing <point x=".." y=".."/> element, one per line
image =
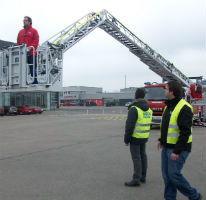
<point x="143" y="180"/>
<point x="132" y="184"/>
<point x="35" y="82"/>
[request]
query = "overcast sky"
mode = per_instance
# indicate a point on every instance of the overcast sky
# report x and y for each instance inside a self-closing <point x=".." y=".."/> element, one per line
<point x="173" y="28"/>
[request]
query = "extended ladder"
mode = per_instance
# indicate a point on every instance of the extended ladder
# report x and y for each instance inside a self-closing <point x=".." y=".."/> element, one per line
<point x="66" y="38"/>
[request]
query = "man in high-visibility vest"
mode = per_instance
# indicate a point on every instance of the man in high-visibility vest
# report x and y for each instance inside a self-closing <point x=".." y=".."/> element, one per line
<point x="137" y="131"/>
<point x="176" y="142"/>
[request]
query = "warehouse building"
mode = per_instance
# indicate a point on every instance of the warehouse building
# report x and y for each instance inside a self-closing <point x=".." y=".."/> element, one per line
<point x="94" y="96"/>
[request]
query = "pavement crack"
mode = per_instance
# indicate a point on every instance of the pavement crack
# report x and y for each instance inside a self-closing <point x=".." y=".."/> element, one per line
<point x="57" y="148"/>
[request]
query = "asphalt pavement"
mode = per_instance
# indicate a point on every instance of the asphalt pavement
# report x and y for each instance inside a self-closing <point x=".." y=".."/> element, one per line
<point x="79" y="153"/>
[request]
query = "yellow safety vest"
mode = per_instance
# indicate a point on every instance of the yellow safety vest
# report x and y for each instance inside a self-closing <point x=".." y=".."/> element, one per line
<point x="173" y="129"/>
<point x="143" y="123"/>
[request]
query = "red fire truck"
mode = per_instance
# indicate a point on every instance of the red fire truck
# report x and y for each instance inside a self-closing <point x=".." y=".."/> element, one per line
<point x="156" y="98"/>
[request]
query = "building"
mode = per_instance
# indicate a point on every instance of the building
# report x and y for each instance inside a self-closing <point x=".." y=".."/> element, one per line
<point x="43" y="99"/>
<point x="75" y="95"/>
<point x="128" y="90"/>
<point x="81" y="95"/>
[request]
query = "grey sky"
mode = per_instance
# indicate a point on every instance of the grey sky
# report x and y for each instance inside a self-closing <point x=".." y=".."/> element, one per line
<point x="174" y="28"/>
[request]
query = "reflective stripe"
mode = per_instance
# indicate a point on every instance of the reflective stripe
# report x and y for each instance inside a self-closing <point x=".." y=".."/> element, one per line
<point x="173" y="126"/>
<point x="57" y="41"/>
<point x="138" y="131"/>
<point x="143" y="124"/>
<point x="173" y="134"/>
<point x="173" y="129"/>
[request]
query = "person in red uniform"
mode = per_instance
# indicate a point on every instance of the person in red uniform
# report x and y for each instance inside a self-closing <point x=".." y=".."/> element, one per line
<point x="29" y="36"/>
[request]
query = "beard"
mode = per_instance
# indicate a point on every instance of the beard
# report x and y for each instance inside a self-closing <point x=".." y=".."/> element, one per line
<point x="26" y="26"/>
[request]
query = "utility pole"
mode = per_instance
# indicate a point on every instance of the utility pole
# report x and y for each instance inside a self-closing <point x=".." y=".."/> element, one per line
<point x="125" y="81"/>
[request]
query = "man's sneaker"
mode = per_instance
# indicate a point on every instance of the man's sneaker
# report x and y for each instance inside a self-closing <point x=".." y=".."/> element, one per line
<point x="143" y="180"/>
<point x="132" y="184"/>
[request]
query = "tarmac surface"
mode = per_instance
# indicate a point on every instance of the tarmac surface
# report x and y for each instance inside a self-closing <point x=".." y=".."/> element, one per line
<point x="78" y="153"/>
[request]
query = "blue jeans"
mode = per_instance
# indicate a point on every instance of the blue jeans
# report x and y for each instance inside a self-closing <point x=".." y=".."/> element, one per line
<point x="173" y="179"/>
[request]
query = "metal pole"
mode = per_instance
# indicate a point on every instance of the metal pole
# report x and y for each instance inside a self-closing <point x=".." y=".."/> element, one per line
<point x="125" y="85"/>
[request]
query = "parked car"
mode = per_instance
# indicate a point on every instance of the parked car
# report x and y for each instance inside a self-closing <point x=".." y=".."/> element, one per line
<point x="91" y="103"/>
<point x="108" y="104"/>
<point x="1" y="111"/>
<point x="35" y="109"/>
<point x="24" y="110"/>
<point x="10" y="110"/>
<point x="128" y="104"/>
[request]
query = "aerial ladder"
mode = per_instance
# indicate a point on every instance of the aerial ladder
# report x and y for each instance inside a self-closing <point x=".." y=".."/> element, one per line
<point x="68" y="37"/>
<point x="14" y="69"/>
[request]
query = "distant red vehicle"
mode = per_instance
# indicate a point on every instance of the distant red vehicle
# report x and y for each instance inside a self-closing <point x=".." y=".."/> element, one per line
<point x="35" y="109"/>
<point x="1" y="111"/>
<point x="24" y="110"/>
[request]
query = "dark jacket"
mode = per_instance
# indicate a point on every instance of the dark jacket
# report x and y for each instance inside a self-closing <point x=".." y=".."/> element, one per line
<point x="184" y="122"/>
<point x="131" y="122"/>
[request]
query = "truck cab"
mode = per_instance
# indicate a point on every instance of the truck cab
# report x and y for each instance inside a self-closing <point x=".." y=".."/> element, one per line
<point x="156" y="99"/>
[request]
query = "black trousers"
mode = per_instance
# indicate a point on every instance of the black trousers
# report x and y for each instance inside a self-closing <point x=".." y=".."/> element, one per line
<point x="139" y="158"/>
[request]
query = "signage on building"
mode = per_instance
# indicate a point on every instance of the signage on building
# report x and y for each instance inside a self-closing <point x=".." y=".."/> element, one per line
<point x="71" y="96"/>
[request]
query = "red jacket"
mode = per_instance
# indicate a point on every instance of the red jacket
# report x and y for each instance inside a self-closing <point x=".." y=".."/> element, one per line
<point x="30" y="37"/>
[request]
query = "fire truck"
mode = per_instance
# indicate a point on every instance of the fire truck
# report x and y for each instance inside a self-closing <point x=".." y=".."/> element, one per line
<point x="156" y="99"/>
<point x="15" y="74"/>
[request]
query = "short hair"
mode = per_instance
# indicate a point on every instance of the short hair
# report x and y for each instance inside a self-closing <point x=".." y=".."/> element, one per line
<point x="176" y="88"/>
<point x="29" y="19"/>
<point x="140" y="93"/>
